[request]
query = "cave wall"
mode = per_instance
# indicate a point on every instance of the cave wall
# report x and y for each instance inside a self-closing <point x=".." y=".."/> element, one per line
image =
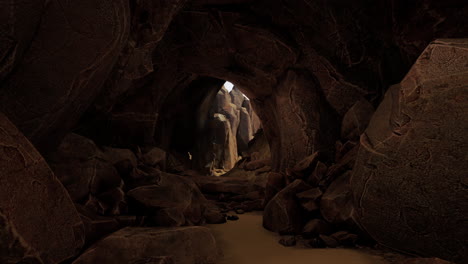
<point x="110" y="69"/>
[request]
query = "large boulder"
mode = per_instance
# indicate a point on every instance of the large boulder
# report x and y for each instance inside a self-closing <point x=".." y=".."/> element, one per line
<point x="409" y="181"/>
<point x="88" y="177"/>
<point x="283" y="214"/>
<point x="336" y="205"/>
<point x="174" y="201"/>
<point x="244" y="132"/>
<point x="75" y="47"/>
<point x="357" y="118"/>
<point x="37" y="217"/>
<point x="186" y="245"/>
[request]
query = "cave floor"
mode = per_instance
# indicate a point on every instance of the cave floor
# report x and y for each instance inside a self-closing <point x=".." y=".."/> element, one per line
<point x="246" y="242"/>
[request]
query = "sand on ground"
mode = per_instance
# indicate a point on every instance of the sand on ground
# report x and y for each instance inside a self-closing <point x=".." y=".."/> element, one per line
<point x="246" y="242"/>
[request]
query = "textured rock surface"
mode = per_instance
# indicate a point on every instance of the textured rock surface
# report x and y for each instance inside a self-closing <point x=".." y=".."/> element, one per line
<point x="355" y="121"/>
<point x="78" y="52"/>
<point x="183" y="244"/>
<point x="409" y="181"/>
<point x="283" y="214"/>
<point x="336" y="205"/>
<point x="37" y="217"/>
<point x="88" y="177"/>
<point x="174" y="201"/>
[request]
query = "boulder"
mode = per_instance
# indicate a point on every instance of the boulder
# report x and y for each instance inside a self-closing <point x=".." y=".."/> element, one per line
<point x="175" y="201"/>
<point x="329" y="241"/>
<point x="355" y="121"/>
<point x="154" y="157"/>
<point x="345" y="238"/>
<point x="310" y="199"/>
<point x="83" y="170"/>
<point x="237" y="97"/>
<point x="275" y="183"/>
<point x="256" y="164"/>
<point x="283" y="213"/>
<point x="244" y="132"/>
<point x="317" y="227"/>
<point x="63" y="69"/>
<point x="37" y="217"/>
<point x="116" y="155"/>
<point x="182" y="244"/>
<point x="318" y="174"/>
<point x="336" y="205"/>
<point x="409" y="181"/>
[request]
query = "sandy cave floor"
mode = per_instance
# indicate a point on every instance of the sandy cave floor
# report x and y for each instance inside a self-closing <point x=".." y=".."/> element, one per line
<point x="246" y="242"/>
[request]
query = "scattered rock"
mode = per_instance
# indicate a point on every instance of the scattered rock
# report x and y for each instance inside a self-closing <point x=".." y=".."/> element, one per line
<point x="173" y="202"/>
<point x="329" y="241"/>
<point x="287" y="241"/>
<point x="336" y="204"/>
<point x="318" y="174"/>
<point x="256" y="164"/>
<point x="345" y="238"/>
<point x="310" y="199"/>
<point x="154" y="157"/>
<point x="232" y="217"/>
<point x="283" y="214"/>
<point x="317" y="227"/>
<point x="240" y="211"/>
<point x="214" y="217"/>
<point x="275" y="183"/>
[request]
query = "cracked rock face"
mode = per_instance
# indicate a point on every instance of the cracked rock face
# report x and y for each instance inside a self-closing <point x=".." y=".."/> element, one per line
<point x="409" y="181"/>
<point x="37" y="217"/>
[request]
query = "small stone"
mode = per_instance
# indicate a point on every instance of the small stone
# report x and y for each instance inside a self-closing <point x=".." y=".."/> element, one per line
<point x="287" y="241"/>
<point x="329" y="241"/>
<point x="232" y="217"/>
<point x="345" y="238"/>
<point x="240" y="211"/>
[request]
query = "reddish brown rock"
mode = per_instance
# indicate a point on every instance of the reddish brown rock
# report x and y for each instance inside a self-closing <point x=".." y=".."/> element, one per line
<point x="64" y="67"/>
<point x="175" y="201"/>
<point x="336" y="205"/>
<point x="244" y="132"/>
<point x="154" y="157"/>
<point x="317" y="227"/>
<point x="275" y="183"/>
<point x="411" y="168"/>
<point x="256" y="164"/>
<point x="355" y="121"/>
<point x="87" y="176"/>
<point x="181" y="243"/>
<point x="345" y="238"/>
<point x="318" y="174"/>
<point x="36" y="211"/>
<point x="283" y="214"/>
<point x="310" y="199"/>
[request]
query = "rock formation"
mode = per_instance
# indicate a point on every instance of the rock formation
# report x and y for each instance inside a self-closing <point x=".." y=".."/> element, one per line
<point x="229" y="127"/>
<point x="38" y="221"/>
<point x="411" y="166"/>
<point x="118" y="97"/>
